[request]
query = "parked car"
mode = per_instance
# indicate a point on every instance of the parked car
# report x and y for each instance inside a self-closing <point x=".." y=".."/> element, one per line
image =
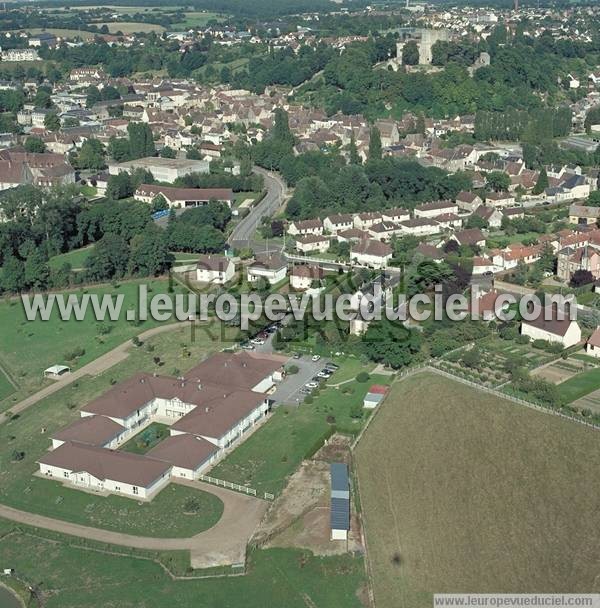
<point x="332" y="367"/>
<point x="257" y="341"/>
<point x="247" y="346"/>
<point x="305" y="391"/>
<point x="312" y="385"/>
<point x="315" y="357"/>
<point x="324" y="374"/>
<point x="297" y="355"/>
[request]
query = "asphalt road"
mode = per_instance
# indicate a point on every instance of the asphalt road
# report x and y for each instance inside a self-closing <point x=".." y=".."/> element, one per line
<point x="243" y="234"/>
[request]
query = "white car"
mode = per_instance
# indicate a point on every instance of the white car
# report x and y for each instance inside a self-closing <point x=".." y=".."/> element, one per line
<point x="258" y="341"/>
<point x="315" y="357"/>
<point x="247" y="346"/>
<point x="312" y="385"/>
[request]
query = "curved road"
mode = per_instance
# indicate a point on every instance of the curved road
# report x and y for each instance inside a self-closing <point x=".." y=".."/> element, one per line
<point x="243" y="234"/>
<point x="223" y="544"/>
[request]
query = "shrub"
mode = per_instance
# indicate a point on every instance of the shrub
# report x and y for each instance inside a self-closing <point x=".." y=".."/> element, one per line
<point x="292" y="369"/>
<point x="522" y="339"/>
<point x="75" y="353"/>
<point x="362" y="377"/>
<point x="17" y="455"/>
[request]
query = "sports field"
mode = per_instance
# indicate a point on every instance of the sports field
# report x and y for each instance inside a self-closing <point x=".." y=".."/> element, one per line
<point x="131" y="27"/>
<point x="465" y="492"/>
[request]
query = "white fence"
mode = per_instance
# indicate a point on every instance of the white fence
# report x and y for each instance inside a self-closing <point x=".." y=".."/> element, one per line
<point x="227" y="484"/>
<point x="233" y="486"/>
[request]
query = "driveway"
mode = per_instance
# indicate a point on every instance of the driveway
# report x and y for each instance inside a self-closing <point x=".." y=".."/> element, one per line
<point x="223" y="544"/>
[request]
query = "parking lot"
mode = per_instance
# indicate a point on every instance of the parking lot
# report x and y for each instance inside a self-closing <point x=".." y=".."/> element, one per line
<point x="288" y="391"/>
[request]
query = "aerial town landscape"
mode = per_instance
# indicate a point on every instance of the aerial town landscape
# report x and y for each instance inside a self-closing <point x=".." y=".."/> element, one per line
<point x="366" y="168"/>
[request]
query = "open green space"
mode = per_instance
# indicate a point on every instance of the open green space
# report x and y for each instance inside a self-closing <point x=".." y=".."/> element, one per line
<point x="86" y="577"/>
<point x="28" y="436"/>
<point x="6" y="387"/>
<point x="75" y="258"/>
<point x="145" y="440"/>
<point x="273" y="452"/>
<point x="29" y="347"/>
<point x="165" y="516"/>
<point x="61" y="33"/>
<point x="196" y="19"/>
<point x="461" y="492"/>
<point x="580" y="385"/>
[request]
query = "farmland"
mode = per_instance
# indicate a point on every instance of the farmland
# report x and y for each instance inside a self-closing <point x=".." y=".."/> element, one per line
<point x="465" y="492"/>
<point x="132" y="27"/>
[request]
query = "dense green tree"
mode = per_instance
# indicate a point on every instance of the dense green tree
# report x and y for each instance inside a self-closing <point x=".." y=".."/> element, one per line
<point x="390" y="343"/>
<point x="34" y="144"/>
<point x="149" y="255"/>
<point x="542" y="182"/>
<point x="51" y="121"/>
<point x="109" y="258"/>
<point x="410" y="53"/>
<point x="375" y="144"/>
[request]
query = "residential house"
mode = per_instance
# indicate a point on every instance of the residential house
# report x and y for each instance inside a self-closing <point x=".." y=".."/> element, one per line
<point x="396" y="215"/>
<point x="553" y="325"/>
<point x="472" y="237"/>
<point x="338" y="222"/>
<point x="500" y="199"/>
<point x="571" y="259"/>
<point x="269" y="266"/>
<point x="491" y="215"/>
<point x="213" y="268"/>
<point x="592" y="346"/>
<point x="303" y="277"/>
<point x="363" y="221"/>
<point x="468" y="201"/>
<point x="371" y="253"/>
<point x="311" y="243"/>
<point x="430" y="210"/>
<point x="420" y="226"/>
<point x="305" y="227"/>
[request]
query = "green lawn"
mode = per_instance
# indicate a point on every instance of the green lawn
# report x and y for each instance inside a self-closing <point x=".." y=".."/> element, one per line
<point x="196" y="19"/>
<point x="29" y="347"/>
<point x="30" y="433"/>
<point x="145" y="440"/>
<point x="71" y="576"/>
<point x="580" y="385"/>
<point x="267" y="458"/>
<point x="164" y="517"/>
<point x="76" y="258"/>
<point x="6" y="387"/>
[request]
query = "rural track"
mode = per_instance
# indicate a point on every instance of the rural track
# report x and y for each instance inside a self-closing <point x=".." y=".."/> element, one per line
<point x="223" y="544"/>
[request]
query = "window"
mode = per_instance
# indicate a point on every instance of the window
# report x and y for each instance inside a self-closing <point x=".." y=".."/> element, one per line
<point x="135" y="490"/>
<point x="66" y="474"/>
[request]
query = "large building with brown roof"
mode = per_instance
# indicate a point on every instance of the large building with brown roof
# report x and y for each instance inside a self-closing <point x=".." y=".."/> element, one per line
<point x="183" y="197"/>
<point x="208" y="410"/>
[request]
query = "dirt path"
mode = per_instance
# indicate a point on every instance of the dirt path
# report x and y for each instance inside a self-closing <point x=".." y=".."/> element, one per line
<point x="223" y="544"/>
<point x="95" y="367"/>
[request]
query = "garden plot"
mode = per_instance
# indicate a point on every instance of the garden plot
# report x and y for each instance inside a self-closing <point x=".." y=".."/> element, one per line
<point x="489" y="367"/>
<point x="560" y="371"/>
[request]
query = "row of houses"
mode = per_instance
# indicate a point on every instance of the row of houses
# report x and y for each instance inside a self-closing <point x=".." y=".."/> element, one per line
<point x="208" y="410"/>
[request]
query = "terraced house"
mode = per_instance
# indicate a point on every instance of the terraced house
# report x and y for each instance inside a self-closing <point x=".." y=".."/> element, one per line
<point x="208" y="410"/>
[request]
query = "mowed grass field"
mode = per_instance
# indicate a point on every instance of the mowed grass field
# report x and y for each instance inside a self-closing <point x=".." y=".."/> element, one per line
<point x="465" y="492"/>
<point x="27" y="347"/>
<point x="61" y="33"/>
<point x="580" y="385"/>
<point x="72" y="576"/>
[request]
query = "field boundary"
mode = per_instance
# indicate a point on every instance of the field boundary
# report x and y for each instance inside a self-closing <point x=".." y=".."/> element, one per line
<point x="430" y="367"/>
